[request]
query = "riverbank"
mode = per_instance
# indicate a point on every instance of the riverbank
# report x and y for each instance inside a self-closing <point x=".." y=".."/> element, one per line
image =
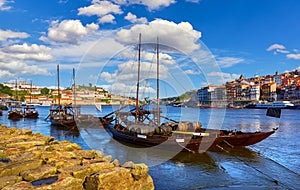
<point x="36" y="161"/>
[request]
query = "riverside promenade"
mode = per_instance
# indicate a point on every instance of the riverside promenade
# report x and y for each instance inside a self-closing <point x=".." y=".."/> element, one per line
<point x="36" y="161"/>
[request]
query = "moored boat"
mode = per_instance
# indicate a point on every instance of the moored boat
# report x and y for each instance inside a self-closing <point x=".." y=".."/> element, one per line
<point x="276" y="104"/>
<point x="15" y="112"/>
<point x="62" y="116"/>
<point x="30" y="112"/>
<point x="143" y="127"/>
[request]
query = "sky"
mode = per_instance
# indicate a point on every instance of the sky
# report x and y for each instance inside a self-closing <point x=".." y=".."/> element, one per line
<point x="200" y="41"/>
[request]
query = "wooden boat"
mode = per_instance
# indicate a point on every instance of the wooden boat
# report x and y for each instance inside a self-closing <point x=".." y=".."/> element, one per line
<point x="142" y="127"/>
<point x="62" y="116"/>
<point x="29" y="109"/>
<point x="30" y="112"/>
<point x="15" y="112"/>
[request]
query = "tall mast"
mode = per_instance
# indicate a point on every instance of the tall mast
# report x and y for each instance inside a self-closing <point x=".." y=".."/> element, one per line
<point x="30" y="90"/>
<point x="74" y="92"/>
<point x="157" y="82"/>
<point x="16" y="92"/>
<point x="138" y="81"/>
<point x="58" y="91"/>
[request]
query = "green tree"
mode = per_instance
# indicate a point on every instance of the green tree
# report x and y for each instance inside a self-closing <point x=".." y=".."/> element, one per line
<point x="45" y="91"/>
<point x="5" y="90"/>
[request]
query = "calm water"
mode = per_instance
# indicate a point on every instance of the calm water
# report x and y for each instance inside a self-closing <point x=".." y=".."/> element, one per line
<point x="271" y="164"/>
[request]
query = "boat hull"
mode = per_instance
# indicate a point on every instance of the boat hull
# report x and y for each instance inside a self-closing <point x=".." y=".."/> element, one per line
<point x="64" y="124"/>
<point x="14" y="115"/>
<point x="215" y="139"/>
<point x="31" y="115"/>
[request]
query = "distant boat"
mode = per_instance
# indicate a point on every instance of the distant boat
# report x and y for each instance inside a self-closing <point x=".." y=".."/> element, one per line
<point x="99" y="107"/>
<point x="15" y="112"/>
<point x="276" y="104"/>
<point x="29" y="109"/>
<point x="62" y="116"/>
<point x="142" y="127"/>
<point x="30" y="112"/>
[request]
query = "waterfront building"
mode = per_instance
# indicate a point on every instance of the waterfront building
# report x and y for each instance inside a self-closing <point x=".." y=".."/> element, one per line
<point x="278" y="79"/>
<point x="212" y="96"/>
<point x="255" y="92"/>
<point x="268" y="90"/>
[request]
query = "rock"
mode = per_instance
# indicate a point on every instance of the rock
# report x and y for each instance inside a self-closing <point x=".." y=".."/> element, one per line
<point x="139" y="171"/>
<point x="107" y="158"/>
<point x="9" y="180"/>
<point x="77" y="171"/>
<point x="115" y="178"/>
<point x="33" y="161"/>
<point x="39" y="173"/>
<point x="85" y="154"/>
<point x="73" y="146"/>
<point x="128" y="165"/>
<point x="116" y="163"/>
<point x="23" y="185"/>
<point x="26" y="145"/>
<point x="64" y="182"/>
<point x="16" y="168"/>
<point x="96" y="167"/>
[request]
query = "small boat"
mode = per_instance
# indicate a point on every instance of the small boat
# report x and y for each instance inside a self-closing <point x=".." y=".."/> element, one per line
<point x="276" y="104"/>
<point x="143" y="127"/>
<point x="15" y="112"/>
<point x="29" y="109"/>
<point x="99" y="107"/>
<point x="62" y="116"/>
<point x="30" y="112"/>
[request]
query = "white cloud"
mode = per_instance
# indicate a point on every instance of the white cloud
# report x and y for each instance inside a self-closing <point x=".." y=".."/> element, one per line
<point x="7" y="34"/>
<point x="28" y="52"/>
<point x="150" y="4"/>
<point x="107" y="19"/>
<point x="293" y="56"/>
<point x="192" y="72"/>
<point x="181" y="36"/>
<point x="226" y="62"/>
<point x="130" y="90"/>
<point x="275" y="47"/>
<point x="100" y="8"/>
<point x="2" y="5"/>
<point x="282" y="51"/>
<point x="68" y="31"/>
<point x="149" y="56"/>
<point x="222" y="78"/>
<point x="14" y="68"/>
<point x="133" y="18"/>
<point x="92" y="27"/>
<point x="127" y="72"/>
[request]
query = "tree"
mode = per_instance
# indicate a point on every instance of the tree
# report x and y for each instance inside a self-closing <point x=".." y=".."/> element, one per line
<point x="45" y="91"/>
<point x="5" y="90"/>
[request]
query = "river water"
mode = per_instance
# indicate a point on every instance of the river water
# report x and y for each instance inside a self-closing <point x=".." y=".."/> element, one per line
<point x="271" y="164"/>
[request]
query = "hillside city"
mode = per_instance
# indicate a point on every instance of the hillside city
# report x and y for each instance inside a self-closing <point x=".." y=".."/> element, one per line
<point x="242" y="91"/>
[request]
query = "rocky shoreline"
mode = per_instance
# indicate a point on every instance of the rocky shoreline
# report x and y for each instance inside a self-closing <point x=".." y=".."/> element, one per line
<point x="35" y="161"/>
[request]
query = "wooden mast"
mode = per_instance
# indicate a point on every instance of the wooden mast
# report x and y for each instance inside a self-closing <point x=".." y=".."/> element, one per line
<point x="30" y="90"/>
<point x="74" y="92"/>
<point x="58" y="91"/>
<point x="157" y="83"/>
<point x="138" y="82"/>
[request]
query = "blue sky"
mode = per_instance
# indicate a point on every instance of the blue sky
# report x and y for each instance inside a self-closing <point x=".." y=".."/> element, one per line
<point x="244" y="37"/>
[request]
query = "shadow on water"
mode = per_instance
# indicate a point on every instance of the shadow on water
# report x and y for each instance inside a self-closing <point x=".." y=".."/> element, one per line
<point x="57" y="132"/>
